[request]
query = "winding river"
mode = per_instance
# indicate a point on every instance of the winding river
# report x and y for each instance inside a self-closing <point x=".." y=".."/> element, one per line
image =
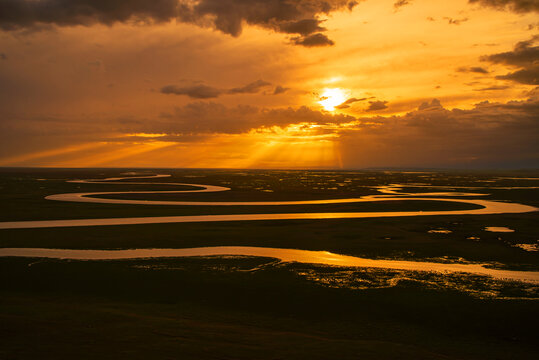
<point x="487" y="206"/>
<point x="285" y="255"/>
<point x="388" y="193"/>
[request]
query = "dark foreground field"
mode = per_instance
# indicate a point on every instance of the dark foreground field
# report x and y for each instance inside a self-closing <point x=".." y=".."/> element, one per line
<point x="244" y="308"/>
<point x="258" y="308"/>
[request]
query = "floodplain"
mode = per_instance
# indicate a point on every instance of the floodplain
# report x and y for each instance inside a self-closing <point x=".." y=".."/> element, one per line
<point x="236" y="305"/>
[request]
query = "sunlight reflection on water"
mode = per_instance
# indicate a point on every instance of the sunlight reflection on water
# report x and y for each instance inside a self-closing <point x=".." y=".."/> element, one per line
<point x="499" y="229"/>
<point x="285" y="255"/>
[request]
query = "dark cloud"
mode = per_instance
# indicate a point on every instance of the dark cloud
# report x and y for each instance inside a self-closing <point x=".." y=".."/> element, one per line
<point x="3" y="56"/>
<point x="534" y="93"/>
<point x="347" y="103"/>
<point x="400" y="3"/>
<point x="16" y="14"/>
<point x="178" y="138"/>
<point x="488" y="135"/>
<point x="251" y="88"/>
<point x="352" y="4"/>
<point x="195" y="91"/>
<point x="528" y="76"/>
<point x="214" y="118"/>
<point x="303" y="27"/>
<point x="473" y="69"/>
<point x="377" y="105"/>
<point x="452" y="21"/>
<point x="525" y="56"/>
<point x="301" y="17"/>
<point x="487" y="44"/>
<point x="434" y="104"/>
<point x="313" y="40"/>
<point x="280" y="90"/>
<point x="494" y="88"/>
<point x="292" y="17"/>
<point x="519" y="6"/>
<point x="200" y="91"/>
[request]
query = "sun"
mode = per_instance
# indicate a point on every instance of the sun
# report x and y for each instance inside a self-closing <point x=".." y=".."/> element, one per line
<point x="331" y="98"/>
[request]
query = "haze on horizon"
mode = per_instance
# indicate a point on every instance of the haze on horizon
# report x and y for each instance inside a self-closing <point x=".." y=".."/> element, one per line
<point x="269" y="83"/>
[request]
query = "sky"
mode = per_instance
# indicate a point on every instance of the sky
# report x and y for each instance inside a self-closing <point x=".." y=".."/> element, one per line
<point x="277" y="84"/>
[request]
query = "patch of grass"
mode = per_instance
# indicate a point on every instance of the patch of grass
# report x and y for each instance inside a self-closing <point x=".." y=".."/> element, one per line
<point x="212" y="307"/>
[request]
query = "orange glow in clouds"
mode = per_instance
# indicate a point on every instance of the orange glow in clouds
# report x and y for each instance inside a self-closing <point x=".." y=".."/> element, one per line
<point x="384" y="83"/>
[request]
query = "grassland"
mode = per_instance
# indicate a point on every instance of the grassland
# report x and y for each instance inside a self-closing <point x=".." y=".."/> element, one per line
<point x="256" y="308"/>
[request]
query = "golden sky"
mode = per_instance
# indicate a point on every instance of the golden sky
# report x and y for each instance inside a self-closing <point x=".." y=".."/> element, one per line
<point x="269" y="83"/>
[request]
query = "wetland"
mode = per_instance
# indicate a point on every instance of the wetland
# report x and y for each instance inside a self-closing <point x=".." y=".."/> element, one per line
<point x="306" y="285"/>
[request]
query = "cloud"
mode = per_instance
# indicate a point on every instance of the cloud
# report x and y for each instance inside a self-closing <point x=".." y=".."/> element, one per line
<point x="528" y="76"/>
<point x="400" y="3"/>
<point x="303" y="27"/>
<point x="347" y="103"/>
<point x="525" y="56"/>
<point x="494" y="88"/>
<point x="280" y="90"/>
<point x="301" y="17"/>
<point x="3" y="56"/>
<point x="17" y="14"/>
<point x="313" y="40"/>
<point x="195" y="91"/>
<point x="291" y="17"/>
<point x="179" y="138"/>
<point x="486" y="44"/>
<point x="452" y="21"/>
<point x="433" y="105"/>
<point x="519" y="6"/>
<point x="473" y="69"/>
<point x="488" y="135"/>
<point x="251" y="88"/>
<point x="215" y="118"/>
<point x="377" y="105"/>
<point x="209" y="92"/>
